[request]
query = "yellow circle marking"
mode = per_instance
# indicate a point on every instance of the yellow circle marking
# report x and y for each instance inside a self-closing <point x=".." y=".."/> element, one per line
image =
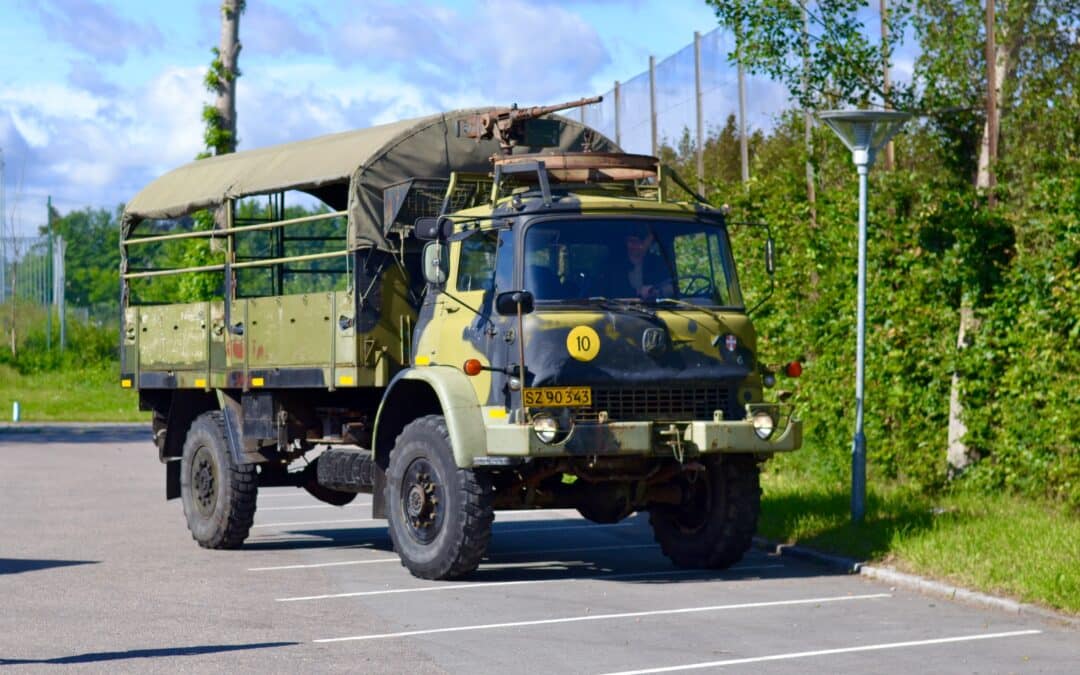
<point x="583" y="343"/>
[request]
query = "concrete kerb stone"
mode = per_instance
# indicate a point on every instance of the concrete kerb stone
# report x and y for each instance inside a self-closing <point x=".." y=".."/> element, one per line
<point x="74" y="427"/>
<point x="915" y="582"/>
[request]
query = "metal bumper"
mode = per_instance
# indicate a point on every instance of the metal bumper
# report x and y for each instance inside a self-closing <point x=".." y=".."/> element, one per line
<point x="643" y="438"/>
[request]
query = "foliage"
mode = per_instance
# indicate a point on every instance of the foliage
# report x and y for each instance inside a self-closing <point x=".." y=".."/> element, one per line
<point x="833" y="61"/>
<point x="88" y="345"/>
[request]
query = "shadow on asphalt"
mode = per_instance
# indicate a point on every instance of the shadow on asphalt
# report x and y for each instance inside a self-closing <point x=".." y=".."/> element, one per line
<point x="76" y="434"/>
<point x="95" y="657"/>
<point x="564" y="549"/>
<point x="18" y="565"/>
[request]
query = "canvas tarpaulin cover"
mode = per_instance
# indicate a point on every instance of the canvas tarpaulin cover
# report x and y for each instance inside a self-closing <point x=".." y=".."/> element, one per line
<point x="345" y="170"/>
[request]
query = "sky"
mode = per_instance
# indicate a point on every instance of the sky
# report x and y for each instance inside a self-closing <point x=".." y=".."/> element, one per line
<point x="99" y="97"/>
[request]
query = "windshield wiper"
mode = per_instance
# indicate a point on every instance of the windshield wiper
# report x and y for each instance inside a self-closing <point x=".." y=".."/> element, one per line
<point x="722" y="326"/>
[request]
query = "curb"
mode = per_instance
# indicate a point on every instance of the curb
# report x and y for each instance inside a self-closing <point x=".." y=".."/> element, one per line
<point x="915" y="582"/>
<point x="71" y="427"/>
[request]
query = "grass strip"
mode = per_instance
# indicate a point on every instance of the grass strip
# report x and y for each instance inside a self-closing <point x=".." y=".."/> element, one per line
<point x="994" y="543"/>
<point x="90" y="394"/>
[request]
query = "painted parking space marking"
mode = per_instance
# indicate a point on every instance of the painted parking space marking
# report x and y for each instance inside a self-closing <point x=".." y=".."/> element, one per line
<point x="341" y="563"/>
<point x="318" y="522"/>
<point x="306" y="507"/>
<point x="826" y="652"/>
<point x="709" y="574"/>
<point x="500" y="530"/>
<point x="507" y="554"/>
<point x="608" y="617"/>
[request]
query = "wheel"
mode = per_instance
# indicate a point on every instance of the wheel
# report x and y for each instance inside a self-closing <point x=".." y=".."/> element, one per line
<point x="440" y="516"/>
<point x="715" y="523"/>
<point x="218" y="494"/>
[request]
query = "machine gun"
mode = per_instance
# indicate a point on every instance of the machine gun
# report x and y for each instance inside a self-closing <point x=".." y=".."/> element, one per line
<point x="509" y="124"/>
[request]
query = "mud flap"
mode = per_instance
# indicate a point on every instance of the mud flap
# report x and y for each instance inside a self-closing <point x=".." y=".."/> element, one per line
<point x="378" y="498"/>
<point x="172" y="479"/>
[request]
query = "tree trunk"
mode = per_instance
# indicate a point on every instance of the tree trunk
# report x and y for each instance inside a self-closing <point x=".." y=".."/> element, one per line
<point x="997" y="62"/>
<point x="229" y="54"/>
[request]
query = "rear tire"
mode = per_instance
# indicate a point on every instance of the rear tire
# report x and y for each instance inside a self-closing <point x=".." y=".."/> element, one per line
<point x="440" y="516"/>
<point x="218" y="494"/>
<point x="715" y="524"/>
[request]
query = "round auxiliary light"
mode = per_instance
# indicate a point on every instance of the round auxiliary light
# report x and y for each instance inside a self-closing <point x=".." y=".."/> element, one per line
<point x="546" y="428"/>
<point x="793" y="369"/>
<point x="769" y="380"/>
<point x="763" y="424"/>
<point x="473" y="367"/>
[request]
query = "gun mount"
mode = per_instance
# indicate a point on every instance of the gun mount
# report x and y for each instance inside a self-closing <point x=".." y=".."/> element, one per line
<point x="508" y="125"/>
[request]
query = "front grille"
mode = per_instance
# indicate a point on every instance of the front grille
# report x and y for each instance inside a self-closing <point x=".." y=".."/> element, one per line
<point x="649" y="404"/>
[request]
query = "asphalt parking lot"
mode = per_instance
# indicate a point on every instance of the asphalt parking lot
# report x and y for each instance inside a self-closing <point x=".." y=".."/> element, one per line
<point x="98" y="572"/>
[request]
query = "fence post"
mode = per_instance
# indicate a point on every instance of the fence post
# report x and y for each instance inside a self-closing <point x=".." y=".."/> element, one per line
<point x="744" y="145"/>
<point x="618" y="101"/>
<point x="700" y="115"/>
<point x="58" y="288"/>
<point x="652" y="104"/>
<point x="49" y="272"/>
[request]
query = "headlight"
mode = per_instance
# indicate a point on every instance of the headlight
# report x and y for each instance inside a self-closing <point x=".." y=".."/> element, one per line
<point x="546" y="428"/>
<point x="763" y="424"/>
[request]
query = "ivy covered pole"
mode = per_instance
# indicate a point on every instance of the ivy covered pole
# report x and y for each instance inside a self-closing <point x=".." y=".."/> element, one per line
<point x="864" y="132"/>
<point x="220" y="134"/>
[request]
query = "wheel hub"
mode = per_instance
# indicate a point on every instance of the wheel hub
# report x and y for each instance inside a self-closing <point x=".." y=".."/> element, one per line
<point x="420" y="497"/>
<point x="204" y="481"/>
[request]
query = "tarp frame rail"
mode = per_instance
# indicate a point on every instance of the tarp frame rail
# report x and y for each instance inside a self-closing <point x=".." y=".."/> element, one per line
<point x="232" y="230"/>
<point x="239" y="265"/>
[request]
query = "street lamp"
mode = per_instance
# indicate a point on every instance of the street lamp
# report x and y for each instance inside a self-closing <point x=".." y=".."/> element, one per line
<point x="864" y="132"/>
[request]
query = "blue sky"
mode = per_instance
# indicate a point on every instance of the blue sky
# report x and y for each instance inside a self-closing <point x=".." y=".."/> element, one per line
<point x="97" y="97"/>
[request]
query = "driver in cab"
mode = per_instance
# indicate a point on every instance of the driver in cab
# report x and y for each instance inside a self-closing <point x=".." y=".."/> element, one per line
<point x="645" y="273"/>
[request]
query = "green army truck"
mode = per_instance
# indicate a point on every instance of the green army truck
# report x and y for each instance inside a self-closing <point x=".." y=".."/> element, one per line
<point x="477" y="310"/>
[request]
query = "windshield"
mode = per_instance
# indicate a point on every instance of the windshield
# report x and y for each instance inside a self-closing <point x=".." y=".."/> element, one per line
<point x="635" y="259"/>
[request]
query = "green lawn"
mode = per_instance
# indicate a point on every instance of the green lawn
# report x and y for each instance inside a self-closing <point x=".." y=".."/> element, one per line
<point x="998" y="543"/>
<point x="86" y="395"/>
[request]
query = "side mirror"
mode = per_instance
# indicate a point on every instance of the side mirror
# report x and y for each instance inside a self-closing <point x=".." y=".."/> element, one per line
<point x="770" y="262"/>
<point x="507" y="303"/>
<point x="426" y="228"/>
<point x="435" y="263"/>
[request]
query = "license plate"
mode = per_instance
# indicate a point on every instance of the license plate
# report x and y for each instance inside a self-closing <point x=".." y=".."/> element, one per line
<point x="554" y="397"/>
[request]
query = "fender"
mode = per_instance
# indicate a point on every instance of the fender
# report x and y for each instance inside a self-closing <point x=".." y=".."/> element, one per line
<point x="456" y="399"/>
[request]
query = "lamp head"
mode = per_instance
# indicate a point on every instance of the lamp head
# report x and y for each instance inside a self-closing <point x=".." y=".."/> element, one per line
<point x="864" y="132"/>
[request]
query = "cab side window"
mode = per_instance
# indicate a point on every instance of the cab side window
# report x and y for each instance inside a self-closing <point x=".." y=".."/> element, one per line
<point x="476" y="262"/>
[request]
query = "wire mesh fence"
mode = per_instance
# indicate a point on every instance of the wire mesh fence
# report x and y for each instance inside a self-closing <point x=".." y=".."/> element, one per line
<point x="32" y="279"/>
<point x="684" y="99"/>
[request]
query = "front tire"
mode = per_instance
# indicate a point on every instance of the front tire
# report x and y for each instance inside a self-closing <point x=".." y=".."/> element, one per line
<point x="218" y="494"/>
<point x="715" y="523"/>
<point x="440" y="516"/>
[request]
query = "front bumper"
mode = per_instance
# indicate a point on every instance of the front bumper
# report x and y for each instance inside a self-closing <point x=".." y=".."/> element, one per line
<point x="680" y="439"/>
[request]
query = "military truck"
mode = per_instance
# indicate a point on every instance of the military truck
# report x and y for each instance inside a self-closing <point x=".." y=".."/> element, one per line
<point x="489" y="309"/>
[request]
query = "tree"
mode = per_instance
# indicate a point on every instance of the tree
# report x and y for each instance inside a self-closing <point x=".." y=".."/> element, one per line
<point x="826" y="60"/>
<point x="220" y="134"/>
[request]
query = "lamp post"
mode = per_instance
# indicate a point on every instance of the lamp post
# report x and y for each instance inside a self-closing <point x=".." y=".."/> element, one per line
<point x="864" y="132"/>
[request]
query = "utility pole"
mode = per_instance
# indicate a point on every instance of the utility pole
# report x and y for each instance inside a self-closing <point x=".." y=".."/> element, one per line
<point x="700" y="116"/>
<point x="991" y="103"/>
<point x="886" y="85"/>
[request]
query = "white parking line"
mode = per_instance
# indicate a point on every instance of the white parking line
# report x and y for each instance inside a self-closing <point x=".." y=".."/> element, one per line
<point x="576" y="549"/>
<point x="523" y="582"/>
<point x="305" y="507"/>
<point x="605" y="617"/>
<point x="319" y="522"/>
<point x="500" y="531"/>
<point x="509" y="554"/>
<point x="826" y="652"/>
<point x="327" y="564"/>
